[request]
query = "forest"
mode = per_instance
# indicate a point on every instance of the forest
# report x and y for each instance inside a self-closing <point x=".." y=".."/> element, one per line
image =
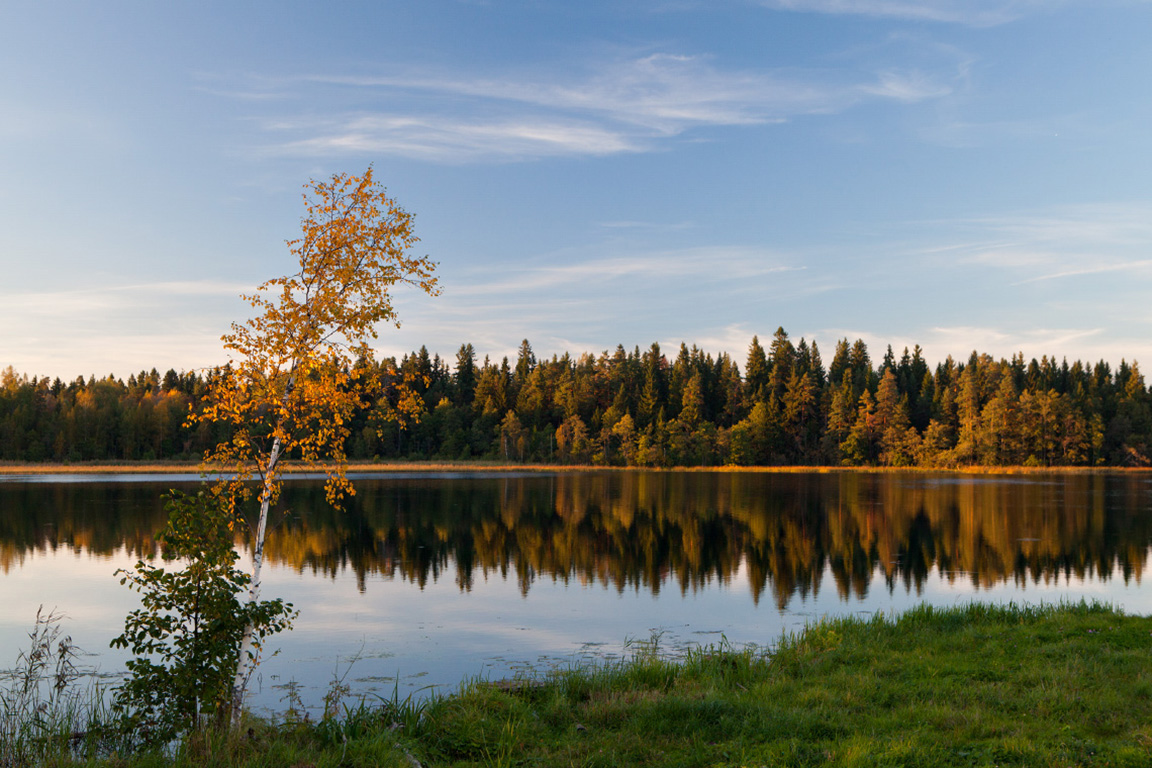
<point x="640" y="408"/>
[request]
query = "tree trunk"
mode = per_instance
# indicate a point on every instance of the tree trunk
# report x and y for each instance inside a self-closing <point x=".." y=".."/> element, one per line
<point x="246" y="662"/>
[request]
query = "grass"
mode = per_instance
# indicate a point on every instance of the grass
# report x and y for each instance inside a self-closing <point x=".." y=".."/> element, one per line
<point x="42" y="713"/>
<point x="976" y="685"/>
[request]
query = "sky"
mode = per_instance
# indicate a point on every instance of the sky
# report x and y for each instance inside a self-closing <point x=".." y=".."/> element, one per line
<point x="959" y="174"/>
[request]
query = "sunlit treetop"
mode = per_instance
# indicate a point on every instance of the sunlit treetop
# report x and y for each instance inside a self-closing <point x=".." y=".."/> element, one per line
<point x="302" y="366"/>
<point x="353" y="248"/>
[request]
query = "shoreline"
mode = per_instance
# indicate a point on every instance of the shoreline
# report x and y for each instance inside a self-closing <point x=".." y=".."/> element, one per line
<point x="189" y="467"/>
<point x="977" y="684"/>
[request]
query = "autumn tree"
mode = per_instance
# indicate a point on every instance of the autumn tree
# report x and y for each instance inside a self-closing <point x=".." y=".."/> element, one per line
<point x="861" y="445"/>
<point x="1000" y="425"/>
<point x="301" y="367"/>
<point x="897" y="439"/>
<point x="572" y="440"/>
<point x="841" y="416"/>
<point x="624" y="432"/>
<point x="513" y="438"/>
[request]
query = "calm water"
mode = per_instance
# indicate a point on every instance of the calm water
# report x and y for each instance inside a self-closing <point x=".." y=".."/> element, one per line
<point x="428" y="579"/>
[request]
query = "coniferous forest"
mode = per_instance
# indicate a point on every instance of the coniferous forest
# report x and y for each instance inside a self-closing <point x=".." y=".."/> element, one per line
<point x="785" y="406"/>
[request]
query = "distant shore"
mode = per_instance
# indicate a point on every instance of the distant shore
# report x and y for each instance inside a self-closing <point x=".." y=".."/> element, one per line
<point x="190" y="467"/>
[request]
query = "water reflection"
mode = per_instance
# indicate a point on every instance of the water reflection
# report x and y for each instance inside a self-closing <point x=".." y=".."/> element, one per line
<point x="654" y="531"/>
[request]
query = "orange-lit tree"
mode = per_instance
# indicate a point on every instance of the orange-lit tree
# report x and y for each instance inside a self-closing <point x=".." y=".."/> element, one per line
<point x="302" y="367"/>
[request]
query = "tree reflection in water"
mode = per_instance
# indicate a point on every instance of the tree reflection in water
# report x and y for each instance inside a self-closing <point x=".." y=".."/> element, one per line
<point x="654" y="530"/>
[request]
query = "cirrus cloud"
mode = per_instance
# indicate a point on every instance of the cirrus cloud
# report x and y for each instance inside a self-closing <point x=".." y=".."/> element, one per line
<point x="629" y="105"/>
<point x="977" y="13"/>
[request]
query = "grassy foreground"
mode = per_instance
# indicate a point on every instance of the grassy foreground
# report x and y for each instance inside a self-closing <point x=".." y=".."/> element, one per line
<point x="971" y="686"/>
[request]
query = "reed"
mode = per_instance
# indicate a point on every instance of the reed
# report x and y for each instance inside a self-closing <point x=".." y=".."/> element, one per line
<point x="44" y="714"/>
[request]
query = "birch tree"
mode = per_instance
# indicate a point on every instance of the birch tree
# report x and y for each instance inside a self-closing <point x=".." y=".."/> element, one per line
<point x="302" y="366"/>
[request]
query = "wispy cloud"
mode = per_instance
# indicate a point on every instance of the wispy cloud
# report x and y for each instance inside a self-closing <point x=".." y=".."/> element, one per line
<point x="702" y="265"/>
<point x="1026" y="282"/>
<point x="579" y="303"/>
<point x="173" y="324"/>
<point x="908" y="87"/>
<point x="1069" y="242"/>
<point x="443" y="137"/>
<point x="1111" y="225"/>
<point x="733" y="339"/>
<point x="1001" y="342"/>
<point x="79" y="301"/>
<point x="647" y="225"/>
<point x="629" y="105"/>
<point x="977" y="13"/>
<point x="1141" y="265"/>
<point x="661" y="91"/>
<point x="1087" y="344"/>
<point x="993" y="340"/>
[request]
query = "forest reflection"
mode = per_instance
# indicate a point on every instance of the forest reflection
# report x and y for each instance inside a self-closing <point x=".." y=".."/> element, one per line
<point x="653" y="530"/>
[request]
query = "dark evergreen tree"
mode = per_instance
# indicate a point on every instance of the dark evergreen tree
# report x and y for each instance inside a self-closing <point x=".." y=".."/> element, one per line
<point x="465" y="374"/>
<point x="756" y="371"/>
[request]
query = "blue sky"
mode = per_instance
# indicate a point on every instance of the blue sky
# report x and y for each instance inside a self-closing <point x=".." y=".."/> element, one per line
<point x="962" y="174"/>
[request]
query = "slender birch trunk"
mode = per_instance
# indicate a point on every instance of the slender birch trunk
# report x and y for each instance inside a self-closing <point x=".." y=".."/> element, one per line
<point x="246" y="661"/>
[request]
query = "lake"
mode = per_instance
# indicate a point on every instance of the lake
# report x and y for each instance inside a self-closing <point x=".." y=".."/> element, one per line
<point x="428" y="579"/>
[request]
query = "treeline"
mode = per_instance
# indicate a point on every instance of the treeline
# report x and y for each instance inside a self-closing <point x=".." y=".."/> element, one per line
<point x="639" y="408"/>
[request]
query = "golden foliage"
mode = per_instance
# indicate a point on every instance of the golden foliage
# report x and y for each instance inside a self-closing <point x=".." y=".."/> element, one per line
<point x="302" y="366"/>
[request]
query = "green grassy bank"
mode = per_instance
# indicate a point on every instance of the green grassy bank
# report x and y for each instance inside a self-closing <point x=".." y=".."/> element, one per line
<point x="970" y="686"/>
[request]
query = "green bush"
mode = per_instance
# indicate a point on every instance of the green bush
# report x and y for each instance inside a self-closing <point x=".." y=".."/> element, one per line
<point x="187" y="633"/>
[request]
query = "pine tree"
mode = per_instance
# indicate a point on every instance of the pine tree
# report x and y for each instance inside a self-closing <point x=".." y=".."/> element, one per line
<point x="783" y="357"/>
<point x="465" y="374"/>
<point x="756" y="371"/>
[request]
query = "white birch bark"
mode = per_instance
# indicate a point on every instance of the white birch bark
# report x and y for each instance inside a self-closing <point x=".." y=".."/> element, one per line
<point x="246" y="662"/>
